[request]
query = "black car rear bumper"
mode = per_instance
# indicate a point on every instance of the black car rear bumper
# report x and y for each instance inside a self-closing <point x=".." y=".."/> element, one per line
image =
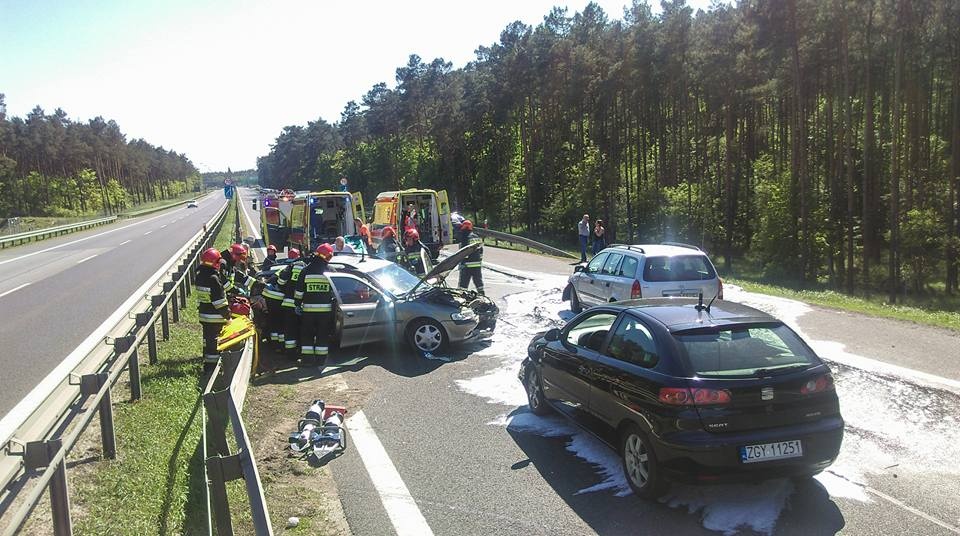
<point x="704" y="457"/>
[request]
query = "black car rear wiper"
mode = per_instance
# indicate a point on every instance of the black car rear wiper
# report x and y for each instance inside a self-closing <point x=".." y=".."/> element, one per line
<point x="779" y="371"/>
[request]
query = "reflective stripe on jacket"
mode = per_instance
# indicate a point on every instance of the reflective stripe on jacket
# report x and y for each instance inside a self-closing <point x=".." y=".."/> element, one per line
<point x="475" y="259"/>
<point x="211" y="300"/>
<point x="314" y="288"/>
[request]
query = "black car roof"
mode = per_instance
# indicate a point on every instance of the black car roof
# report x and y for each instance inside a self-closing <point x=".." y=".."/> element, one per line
<point x="680" y="314"/>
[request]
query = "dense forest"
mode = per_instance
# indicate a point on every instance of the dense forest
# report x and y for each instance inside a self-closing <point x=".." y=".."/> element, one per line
<point x="214" y="179"/>
<point x="51" y="165"/>
<point x="818" y="138"/>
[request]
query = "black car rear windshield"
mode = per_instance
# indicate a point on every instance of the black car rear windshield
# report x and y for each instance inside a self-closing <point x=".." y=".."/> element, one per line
<point x="746" y="351"/>
<point x="678" y="268"/>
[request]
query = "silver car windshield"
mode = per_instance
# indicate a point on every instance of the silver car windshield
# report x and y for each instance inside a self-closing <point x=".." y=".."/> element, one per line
<point x="396" y="280"/>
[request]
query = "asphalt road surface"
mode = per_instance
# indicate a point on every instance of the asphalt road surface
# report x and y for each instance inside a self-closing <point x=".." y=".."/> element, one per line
<point x="56" y="292"/>
<point x="447" y="446"/>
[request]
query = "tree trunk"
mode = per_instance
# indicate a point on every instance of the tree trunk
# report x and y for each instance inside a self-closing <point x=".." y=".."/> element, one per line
<point x="894" y="262"/>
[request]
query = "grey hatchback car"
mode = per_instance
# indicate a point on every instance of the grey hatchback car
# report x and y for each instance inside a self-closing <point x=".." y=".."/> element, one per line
<point x="623" y="272"/>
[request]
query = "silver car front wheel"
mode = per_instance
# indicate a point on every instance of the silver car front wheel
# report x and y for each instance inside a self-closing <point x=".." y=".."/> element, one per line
<point x="427" y="336"/>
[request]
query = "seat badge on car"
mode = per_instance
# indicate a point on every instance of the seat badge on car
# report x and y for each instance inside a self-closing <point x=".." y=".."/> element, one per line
<point x="766" y="393"/>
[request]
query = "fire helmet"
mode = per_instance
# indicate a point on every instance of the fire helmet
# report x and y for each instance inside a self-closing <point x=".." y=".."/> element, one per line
<point x="413" y="234"/>
<point x="210" y="257"/>
<point x="467" y="225"/>
<point x="294" y="253"/>
<point x="388" y="231"/>
<point x="238" y="252"/>
<point x="325" y="251"/>
<point x="271" y="249"/>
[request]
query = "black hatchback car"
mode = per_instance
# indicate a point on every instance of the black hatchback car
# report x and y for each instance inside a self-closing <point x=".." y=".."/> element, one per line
<point x="688" y="393"/>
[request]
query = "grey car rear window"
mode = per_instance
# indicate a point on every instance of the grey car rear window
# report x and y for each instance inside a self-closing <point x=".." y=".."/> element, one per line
<point x="678" y="268"/>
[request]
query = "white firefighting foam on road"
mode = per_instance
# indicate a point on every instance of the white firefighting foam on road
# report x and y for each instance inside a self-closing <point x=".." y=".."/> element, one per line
<point x="872" y="441"/>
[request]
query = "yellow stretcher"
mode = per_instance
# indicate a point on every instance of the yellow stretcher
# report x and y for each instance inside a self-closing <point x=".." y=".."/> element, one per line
<point x="235" y="332"/>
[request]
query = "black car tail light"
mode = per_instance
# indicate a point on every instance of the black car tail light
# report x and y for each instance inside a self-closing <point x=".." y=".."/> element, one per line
<point x="682" y="396"/>
<point x="817" y="385"/>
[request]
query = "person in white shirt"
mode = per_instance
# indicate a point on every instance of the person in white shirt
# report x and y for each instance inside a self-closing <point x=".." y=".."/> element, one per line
<point x="341" y="246"/>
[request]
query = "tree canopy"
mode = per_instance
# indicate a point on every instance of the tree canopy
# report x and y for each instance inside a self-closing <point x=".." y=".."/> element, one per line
<point x="51" y="165"/>
<point x="820" y="137"/>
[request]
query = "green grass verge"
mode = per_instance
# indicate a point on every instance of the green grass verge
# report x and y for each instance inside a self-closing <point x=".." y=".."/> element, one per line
<point x="874" y="306"/>
<point x="156" y="483"/>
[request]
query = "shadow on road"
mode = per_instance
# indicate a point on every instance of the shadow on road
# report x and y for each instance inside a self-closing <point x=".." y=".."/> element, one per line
<point x="808" y="510"/>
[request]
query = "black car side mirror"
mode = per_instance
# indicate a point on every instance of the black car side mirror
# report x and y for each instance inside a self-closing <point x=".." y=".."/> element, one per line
<point x="552" y="335"/>
<point x="578" y="268"/>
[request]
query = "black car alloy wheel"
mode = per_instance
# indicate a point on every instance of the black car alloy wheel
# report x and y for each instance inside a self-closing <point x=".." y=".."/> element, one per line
<point x="538" y="406"/>
<point x="575" y="306"/>
<point x="640" y="464"/>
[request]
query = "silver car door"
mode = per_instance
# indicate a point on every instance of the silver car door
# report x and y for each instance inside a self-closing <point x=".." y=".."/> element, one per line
<point x="365" y="312"/>
<point x="588" y="283"/>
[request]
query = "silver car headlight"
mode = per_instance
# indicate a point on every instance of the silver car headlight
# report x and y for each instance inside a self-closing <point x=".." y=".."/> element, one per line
<point x="464" y="314"/>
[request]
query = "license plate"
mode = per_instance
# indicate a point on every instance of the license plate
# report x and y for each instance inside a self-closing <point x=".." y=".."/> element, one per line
<point x="771" y="451"/>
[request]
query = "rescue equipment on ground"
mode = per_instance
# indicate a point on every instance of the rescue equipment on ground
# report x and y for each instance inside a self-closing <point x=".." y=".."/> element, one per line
<point x="320" y="431"/>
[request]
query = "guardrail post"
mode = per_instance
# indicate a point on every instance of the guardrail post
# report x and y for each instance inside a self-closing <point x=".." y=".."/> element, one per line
<point x="91" y="384"/>
<point x="38" y="454"/>
<point x="221" y="470"/>
<point x="123" y="344"/>
<point x="216" y="405"/>
<point x="175" y="306"/>
<point x="165" y="323"/>
<point x="152" y="343"/>
<point x="183" y="293"/>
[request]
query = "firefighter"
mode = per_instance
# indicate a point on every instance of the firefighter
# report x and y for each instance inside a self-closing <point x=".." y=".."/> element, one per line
<point x="275" y="311"/>
<point x="271" y="258"/>
<point x="314" y="296"/>
<point x="287" y="281"/>
<point x="213" y="309"/>
<point x="411" y="252"/>
<point x="470" y="267"/>
<point x="388" y="246"/>
<point x="364" y="233"/>
<point x="236" y="277"/>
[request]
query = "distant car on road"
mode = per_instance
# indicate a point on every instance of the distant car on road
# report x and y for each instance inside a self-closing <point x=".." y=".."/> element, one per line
<point x="689" y="393"/>
<point x="623" y="272"/>
<point x="192" y="204"/>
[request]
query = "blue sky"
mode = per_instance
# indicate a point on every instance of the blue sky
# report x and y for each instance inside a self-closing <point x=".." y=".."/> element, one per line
<point x="219" y="79"/>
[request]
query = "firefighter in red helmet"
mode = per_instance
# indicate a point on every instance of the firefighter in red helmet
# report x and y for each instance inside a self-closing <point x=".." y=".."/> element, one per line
<point x="271" y="258"/>
<point x="287" y="281"/>
<point x="212" y="304"/>
<point x="410" y="257"/>
<point x="470" y="267"/>
<point x="389" y="248"/>
<point x="236" y="277"/>
<point x="315" y="298"/>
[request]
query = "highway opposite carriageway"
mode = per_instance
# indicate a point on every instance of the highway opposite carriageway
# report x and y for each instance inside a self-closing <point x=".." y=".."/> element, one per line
<point x="55" y="293"/>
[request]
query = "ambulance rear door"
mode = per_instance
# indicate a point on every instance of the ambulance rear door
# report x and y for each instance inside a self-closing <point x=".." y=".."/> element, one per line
<point x="358" y="211"/>
<point x="446" y="225"/>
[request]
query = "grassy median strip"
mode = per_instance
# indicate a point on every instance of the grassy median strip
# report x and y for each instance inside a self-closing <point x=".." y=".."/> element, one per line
<point x="156" y="483"/>
<point x="856" y="304"/>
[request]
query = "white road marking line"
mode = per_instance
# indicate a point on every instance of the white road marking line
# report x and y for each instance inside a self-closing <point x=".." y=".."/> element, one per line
<point x="162" y="226"/>
<point x="146" y="233"/>
<point x="87" y="258"/>
<point x="912" y="510"/>
<point x="14" y="289"/>
<point x="124" y="242"/>
<point x="400" y="506"/>
<point x="78" y="241"/>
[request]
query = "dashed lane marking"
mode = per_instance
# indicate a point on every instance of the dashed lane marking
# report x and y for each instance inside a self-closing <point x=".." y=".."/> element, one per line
<point x="146" y="233"/>
<point x="397" y="501"/>
<point x="14" y="289"/>
<point x="124" y="242"/>
<point x="85" y="259"/>
<point x="78" y="241"/>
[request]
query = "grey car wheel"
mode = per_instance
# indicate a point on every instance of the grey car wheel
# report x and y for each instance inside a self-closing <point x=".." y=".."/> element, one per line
<point x="536" y="402"/>
<point x="640" y="464"/>
<point x="427" y="336"/>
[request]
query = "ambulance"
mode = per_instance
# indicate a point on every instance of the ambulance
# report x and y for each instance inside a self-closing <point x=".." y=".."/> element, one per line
<point x="431" y="210"/>
<point x="305" y="220"/>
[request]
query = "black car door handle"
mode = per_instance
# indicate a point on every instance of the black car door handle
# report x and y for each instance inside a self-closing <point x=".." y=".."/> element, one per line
<point x="608" y="284"/>
<point x="349" y="314"/>
<point x="591" y="281"/>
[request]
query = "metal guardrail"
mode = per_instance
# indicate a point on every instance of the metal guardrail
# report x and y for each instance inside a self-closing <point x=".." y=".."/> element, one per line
<point x="20" y="238"/>
<point x="33" y="455"/>
<point x="222" y="402"/>
<point x="498" y="237"/>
